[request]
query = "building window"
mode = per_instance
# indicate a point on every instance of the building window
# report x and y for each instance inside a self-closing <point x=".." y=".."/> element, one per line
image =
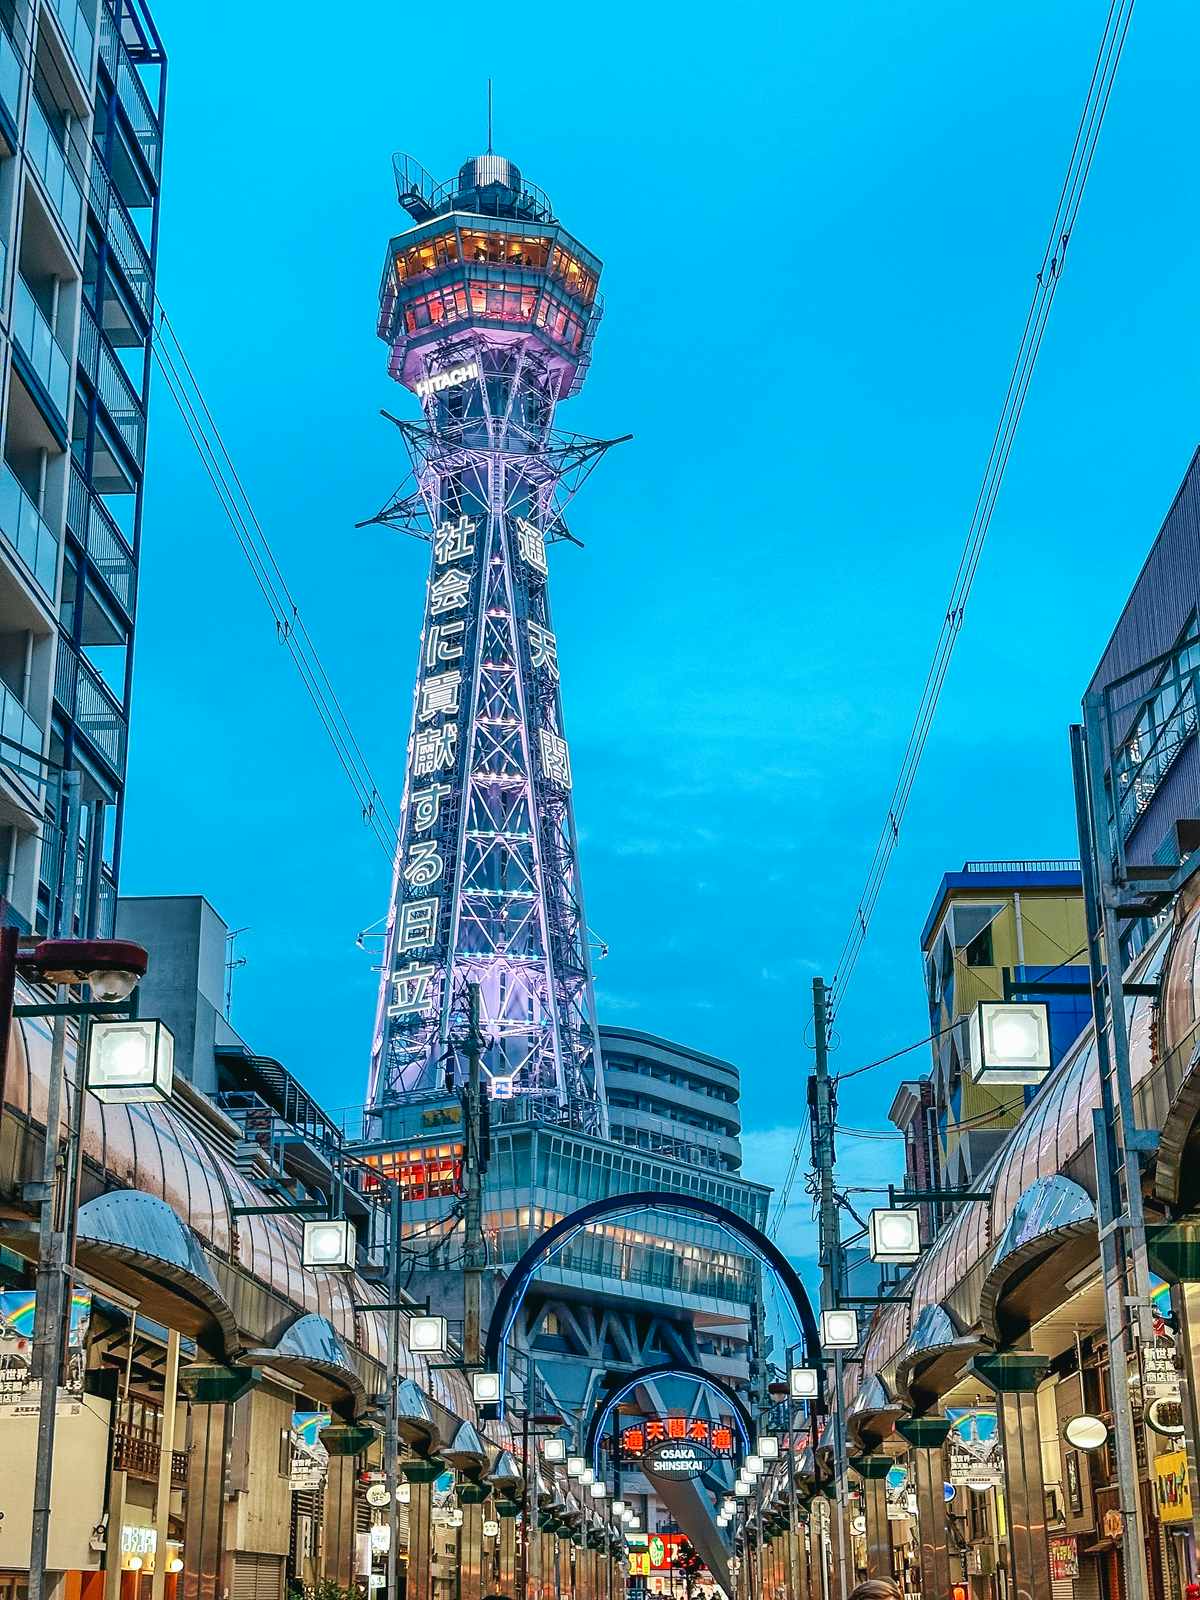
<point x="979" y="951"/>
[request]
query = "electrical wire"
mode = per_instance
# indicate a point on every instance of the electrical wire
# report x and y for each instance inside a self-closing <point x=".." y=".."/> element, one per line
<point x="785" y="1192"/>
<point x="1049" y="273"/>
<point x="230" y="490"/>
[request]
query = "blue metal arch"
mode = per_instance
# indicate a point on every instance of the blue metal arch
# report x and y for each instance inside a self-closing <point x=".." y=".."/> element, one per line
<point x="624" y="1384"/>
<point x="509" y="1300"/>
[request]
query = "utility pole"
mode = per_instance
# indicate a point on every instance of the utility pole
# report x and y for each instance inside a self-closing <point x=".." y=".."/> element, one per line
<point x="821" y="1105"/>
<point x="1115" y="1137"/>
<point x="474" y="1250"/>
<point x="391" y="1440"/>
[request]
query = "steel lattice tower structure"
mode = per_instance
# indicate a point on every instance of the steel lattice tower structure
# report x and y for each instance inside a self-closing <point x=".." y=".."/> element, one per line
<point x="488" y="308"/>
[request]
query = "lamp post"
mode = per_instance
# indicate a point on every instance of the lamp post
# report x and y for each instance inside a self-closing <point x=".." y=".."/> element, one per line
<point x="111" y="969"/>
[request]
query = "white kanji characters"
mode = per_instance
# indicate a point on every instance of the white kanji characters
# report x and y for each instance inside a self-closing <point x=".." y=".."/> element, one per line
<point x="452" y="541"/>
<point x="426" y="805"/>
<point x="424" y="865"/>
<point x="410" y="989"/>
<point x="433" y="750"/>
<point x="556" y="760"/>
<point x="449" y="590"/>
<point x="531" y="543"/>
<point x="417" y="927"/>
<point x="443" y="642"/>
<point x="439" y="696"/>
<point x="543" y="649"/>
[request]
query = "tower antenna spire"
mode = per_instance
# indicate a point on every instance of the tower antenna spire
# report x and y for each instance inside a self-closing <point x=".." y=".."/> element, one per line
<point x="490" y="150"/>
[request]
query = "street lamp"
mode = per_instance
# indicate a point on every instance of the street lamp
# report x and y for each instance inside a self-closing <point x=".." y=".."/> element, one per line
<point x="485" y="1387"/>
<point x="1010" y="1041"/>
<point x="839" y="1329"/>
<point x="329" y="1243"/>
<point x="895" y="1234"/>
<point x="130" y="1063"/>
<point x="804" y="1383"/>
<point x="112" y="968"/>
<point x="428" y="1335"/>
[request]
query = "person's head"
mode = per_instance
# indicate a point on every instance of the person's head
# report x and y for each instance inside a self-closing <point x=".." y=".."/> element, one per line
<point x="876" y="1589"/>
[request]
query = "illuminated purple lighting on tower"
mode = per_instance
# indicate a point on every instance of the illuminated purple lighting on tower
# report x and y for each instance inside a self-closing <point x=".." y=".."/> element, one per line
<point x="488" y="307"/>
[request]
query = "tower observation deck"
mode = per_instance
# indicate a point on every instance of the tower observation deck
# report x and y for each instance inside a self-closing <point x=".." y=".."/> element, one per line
<point x="488" y="308"/>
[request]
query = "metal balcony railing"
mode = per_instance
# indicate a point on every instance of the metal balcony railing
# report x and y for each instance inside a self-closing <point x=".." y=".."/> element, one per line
<point x="10" y="75"/>
<point x="84" y="695"/>
<point x="1057" y="864"/>
<point x="124" y="241"/>
<point x="36" y="339"/>
<point x="47" y="155"/>
<point x="106" y="908"/>
<point x="131" y="91"/>
<point x="27" y="532"/>
<point x="119" y="397"/>
<point x="78" y="31"/>
<point x="101" y="539"/>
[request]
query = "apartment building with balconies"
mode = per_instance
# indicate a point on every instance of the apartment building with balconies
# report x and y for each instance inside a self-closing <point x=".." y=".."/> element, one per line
<point x="82" y="87"/>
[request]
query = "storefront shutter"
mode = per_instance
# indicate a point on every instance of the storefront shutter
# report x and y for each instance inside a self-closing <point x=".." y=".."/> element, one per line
<point x="256" y="1577"/>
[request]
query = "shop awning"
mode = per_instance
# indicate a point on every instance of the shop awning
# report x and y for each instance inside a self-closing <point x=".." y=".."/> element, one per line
<point x="311" y="1351"/>
<point x="140" y="1246"/>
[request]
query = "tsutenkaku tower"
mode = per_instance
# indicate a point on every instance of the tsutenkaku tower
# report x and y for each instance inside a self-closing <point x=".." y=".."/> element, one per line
<point x="488" y="307"/>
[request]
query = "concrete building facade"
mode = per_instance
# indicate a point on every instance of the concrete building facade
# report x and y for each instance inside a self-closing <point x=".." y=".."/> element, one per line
<point x="671" y="1100"/>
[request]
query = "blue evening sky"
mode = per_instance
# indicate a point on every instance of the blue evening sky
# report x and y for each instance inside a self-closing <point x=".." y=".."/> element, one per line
<point x="819" y="228"/>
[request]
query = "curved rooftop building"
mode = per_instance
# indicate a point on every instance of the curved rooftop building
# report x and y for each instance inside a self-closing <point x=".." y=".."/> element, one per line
<point x="672" y="1100"/>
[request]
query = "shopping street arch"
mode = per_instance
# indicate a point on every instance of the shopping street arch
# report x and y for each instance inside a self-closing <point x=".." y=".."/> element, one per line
<point x="622" y="1385"/>
<point x="752" y="1238"/>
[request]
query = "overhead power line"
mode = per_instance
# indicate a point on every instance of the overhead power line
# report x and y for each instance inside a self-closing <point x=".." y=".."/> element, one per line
<point x="1049" y="273"/>
<point x="197" y="418"/>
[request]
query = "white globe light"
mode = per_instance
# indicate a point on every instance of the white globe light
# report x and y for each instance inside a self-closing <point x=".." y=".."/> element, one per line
<point x="1086" y="1433"/>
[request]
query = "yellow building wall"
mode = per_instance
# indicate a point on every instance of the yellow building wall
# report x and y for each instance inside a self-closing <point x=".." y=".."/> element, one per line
<point x="1052" y="932"/>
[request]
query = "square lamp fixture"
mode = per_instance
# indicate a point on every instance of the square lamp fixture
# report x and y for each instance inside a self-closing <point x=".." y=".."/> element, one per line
<point x="767" y="1446"/>
<point x="329" y="1243"/>
<point x="804" y="1383"/>
<point x="491" y="1530"/>
<point x="554" y="1449"/>
<point x="741" y="1489"/>
<point x="618" y="1508"/>
<point x="587" y="1477"/>
<point x="753" y="1466"/>
<point x="1010" y="1041"/>
<point x="485" y="1387"/>
<point x="427" y="1335"/>
<point x="598" y="1490"/>
<point x="839" y="1329"/>
<point x="576" y="1466"/>
<point x="130" y="1063"/>
<point x="895" y="1234"/>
